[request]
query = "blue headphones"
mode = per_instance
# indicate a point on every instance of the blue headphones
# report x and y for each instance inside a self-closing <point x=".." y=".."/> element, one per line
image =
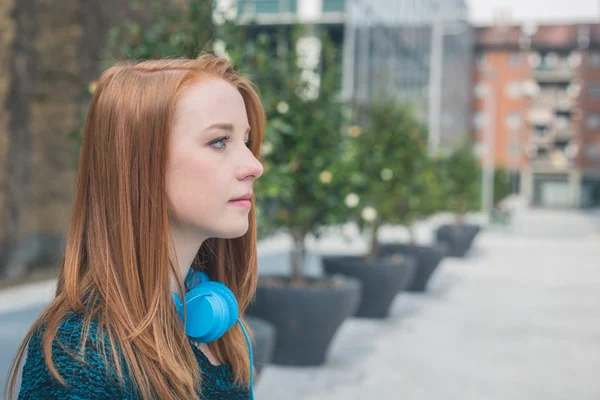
<point x="211" y="307"/>
<point x="212" y="310"/>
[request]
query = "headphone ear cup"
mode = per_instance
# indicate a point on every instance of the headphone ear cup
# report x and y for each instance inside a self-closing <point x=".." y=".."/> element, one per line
<point x="204" y="312"/>
<point x="220" y="320"/>
<point x="230" y="301"/>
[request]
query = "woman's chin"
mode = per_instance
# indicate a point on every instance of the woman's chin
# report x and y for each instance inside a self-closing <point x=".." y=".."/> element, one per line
<point x="233" y="232"/>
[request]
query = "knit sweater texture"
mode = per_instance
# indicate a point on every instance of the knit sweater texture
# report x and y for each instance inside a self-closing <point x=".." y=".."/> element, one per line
<point x="93" y="379"/>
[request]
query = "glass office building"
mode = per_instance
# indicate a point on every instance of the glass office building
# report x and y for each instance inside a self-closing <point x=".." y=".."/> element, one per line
<point x="419" y="51"/>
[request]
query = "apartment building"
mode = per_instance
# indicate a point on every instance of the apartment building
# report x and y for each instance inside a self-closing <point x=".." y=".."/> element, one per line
<point x="536" y="109"/>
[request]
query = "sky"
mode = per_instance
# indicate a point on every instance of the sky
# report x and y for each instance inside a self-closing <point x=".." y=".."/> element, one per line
<point x="482" y="11"/>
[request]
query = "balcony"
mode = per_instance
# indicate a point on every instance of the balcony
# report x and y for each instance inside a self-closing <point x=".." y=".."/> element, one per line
<point x="555" y="73"/>
<point x="565" y="132"/>
<point x="552" y="160"/>
<point x="541" y="116"/>
<point x="554" y="100"/>
<point x="565" y="102"/>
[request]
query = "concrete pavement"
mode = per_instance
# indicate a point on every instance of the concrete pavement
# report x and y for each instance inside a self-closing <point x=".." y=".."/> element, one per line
<point x="519" y="319"/>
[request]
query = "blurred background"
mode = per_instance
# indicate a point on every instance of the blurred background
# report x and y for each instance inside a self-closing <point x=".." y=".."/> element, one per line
<point x="432" y="173"/>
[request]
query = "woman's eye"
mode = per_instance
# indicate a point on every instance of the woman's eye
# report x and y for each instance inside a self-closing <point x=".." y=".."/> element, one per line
<point x="249" y="144"/>
<point x="220" y="143"/>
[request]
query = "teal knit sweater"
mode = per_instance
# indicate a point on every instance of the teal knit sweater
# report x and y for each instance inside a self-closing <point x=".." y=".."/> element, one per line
<point x="93" y="379"/>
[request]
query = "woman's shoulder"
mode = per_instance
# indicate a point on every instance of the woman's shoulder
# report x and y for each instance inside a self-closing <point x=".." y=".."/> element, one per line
<point x="79" y="355"/>
<point x="73" y="339"/>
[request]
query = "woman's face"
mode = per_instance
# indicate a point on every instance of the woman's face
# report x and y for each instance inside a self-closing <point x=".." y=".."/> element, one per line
<point x="210" y="164"/>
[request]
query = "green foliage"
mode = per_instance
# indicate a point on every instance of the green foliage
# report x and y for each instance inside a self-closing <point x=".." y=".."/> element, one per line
<point x="423" y="194"/>
<point x="386" y="156"/>
<point x="300" y="190"/>
<point x="176" y="31"/>
<point x="502" y="182"/>
<point x="462" y="176"/>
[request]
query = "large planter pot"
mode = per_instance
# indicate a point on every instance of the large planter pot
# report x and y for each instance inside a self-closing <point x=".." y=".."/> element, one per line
<point x="305" y="317"/>
<point x="472" y="230"/>
<point x="381" y="280"/>
<point x="263" y="342"/>
<point x="428" y="258"/>
<point x="456" y="240"/>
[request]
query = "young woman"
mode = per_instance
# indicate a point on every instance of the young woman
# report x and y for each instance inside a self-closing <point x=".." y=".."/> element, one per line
<point x="168" y="160"/>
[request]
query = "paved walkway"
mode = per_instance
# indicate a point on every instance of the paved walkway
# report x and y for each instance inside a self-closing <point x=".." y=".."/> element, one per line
<point x="518" y="319"/>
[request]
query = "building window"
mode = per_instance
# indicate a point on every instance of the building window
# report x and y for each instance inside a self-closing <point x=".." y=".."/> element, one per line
<point x="591" y="151"/>
<point x="539" y="130"/>
<point x="593" y="90"/>
<point x="573" y="90"/>
<point x="479" y="120"/>
<point x="562" y="122"/>
<point x="275" y="6"/>
<point x="531" y="88"/>
<point x="592" y="121"/>
<point x="574" y="60"/>
<point x="551" y="60"/>
<point x="479" y="90"/>
<point x="515" y="59"/>
<point x="535" y="60"/>
<point x="513" y="121"/>
<point x="480" y="60"/>
<point x="595" y="59"/>
<point x="513" y="89"/>
<point x="561" y="144"/>
<point x="333" y="5"/>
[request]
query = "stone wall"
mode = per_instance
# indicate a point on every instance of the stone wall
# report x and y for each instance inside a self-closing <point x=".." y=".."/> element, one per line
<point x="49" y="52"/>
<point x="7" y="36"/>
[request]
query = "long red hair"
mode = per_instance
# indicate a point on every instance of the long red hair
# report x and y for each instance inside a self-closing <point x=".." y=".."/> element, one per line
<point x="117" y="254"/>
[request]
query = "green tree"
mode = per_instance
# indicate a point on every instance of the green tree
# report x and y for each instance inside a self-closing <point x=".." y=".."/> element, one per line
<point x="424" y="192"/>
<point x="301" y="188"/>
<point x="385" y="158"/>
<point x="461" y="177"/>
<point x="502" y="181"/>
<point x="177" y="30"/>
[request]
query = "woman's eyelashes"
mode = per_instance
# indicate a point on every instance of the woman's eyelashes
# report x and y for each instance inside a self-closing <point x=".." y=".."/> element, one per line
<point x="221" y="143"/>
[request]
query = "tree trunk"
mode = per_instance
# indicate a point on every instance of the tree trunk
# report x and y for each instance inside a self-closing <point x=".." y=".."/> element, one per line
<point x="411" y="233"/>
<point x="298" y="256"/>
<point x="374" y="245"/>
<point x="461" y="208"/>
<point x="17" y="164"/>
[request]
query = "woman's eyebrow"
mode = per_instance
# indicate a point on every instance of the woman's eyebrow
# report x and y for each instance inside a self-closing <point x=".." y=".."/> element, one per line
<point x="224" y="127"/>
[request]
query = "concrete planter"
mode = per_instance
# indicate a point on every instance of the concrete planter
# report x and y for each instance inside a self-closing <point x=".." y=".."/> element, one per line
<point x="457" y="240"/>
<point x="428" y="258"/>
<point x="263" y="341"/>
<point x="305" y="317"/>
<point x="381" y="280"/>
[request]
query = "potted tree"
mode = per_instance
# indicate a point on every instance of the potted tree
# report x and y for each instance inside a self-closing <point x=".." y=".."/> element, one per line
<point x="422" y="196"/>
<point x="383" y="157"/>
<point x="461" y="177"/>
<point x="299" y="80"/>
